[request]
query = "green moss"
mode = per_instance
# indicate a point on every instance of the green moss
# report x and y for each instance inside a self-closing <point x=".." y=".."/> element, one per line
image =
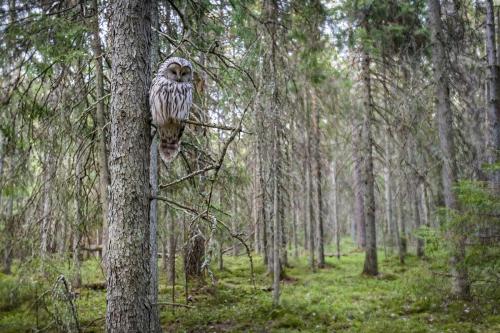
<point x="339" y="298"/>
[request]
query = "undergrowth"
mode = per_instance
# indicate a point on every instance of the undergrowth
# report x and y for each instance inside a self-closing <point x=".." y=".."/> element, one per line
<point x="404" y="298"/>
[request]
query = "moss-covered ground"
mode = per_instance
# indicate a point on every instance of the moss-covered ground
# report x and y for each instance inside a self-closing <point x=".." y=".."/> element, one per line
<point x="405" y="298"/>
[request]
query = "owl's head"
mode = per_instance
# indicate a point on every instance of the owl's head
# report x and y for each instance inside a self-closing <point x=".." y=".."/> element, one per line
<point x="177" y="70"/>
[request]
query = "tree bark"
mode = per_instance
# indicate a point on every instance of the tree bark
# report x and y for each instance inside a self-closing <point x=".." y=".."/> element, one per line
<point x="129" y="307"/>
<point x="171" y="245"/>
<point x="220" y="252"/>
<point x="415" y="194"/>
<point x="359" y="190"/>
<point x="276" y="238"/>
<point x="255" y="207"/>
<point x="10" y="222"/>
<point x="310" y="201"/>
<point x="2" y="161"/>
<point x="262" y="184"/>
<point x="417" y="217"/>
<point x="335" y="209"/>
<point x="389" y="204"/>
<point x="153" y="181"/>
<point x="319" y="196"/>
<point x="101" y="126"/>
<point x="493" y="115"/>
<point x="234" y="224"/>
<point x="77" y="232"/>
<point x="47" y="200"/>
<point x="294" y="216"/>
<point x="371" y="264"/>
<point x="461" y="284"/>
<point x="400" y="209"/>
<point x="305" y="203"/>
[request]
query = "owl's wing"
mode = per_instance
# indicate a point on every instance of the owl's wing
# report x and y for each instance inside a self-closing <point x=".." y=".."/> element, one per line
<point x="158" y="99"/>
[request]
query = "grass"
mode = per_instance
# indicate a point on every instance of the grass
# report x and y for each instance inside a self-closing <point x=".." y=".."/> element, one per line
<point x="409" y="298"/>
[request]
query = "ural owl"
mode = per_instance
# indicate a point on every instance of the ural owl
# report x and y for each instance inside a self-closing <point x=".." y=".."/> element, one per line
<point x="170" y="99"/>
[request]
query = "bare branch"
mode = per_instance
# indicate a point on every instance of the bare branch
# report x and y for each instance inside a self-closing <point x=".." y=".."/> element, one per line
<point x="221" y="127"/>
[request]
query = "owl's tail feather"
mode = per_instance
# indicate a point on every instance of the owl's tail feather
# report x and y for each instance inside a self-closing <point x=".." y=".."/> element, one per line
<point x="170" y="135"/>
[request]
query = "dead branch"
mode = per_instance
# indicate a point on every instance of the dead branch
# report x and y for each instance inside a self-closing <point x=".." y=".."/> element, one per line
<point x="191" y="175"/>
<point x="221" y="127"/>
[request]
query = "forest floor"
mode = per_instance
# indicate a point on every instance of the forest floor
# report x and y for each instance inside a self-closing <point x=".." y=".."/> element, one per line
<point x="404" y="298"/>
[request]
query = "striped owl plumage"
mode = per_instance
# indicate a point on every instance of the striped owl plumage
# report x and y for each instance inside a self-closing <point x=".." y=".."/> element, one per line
<point x="170" y="99"/>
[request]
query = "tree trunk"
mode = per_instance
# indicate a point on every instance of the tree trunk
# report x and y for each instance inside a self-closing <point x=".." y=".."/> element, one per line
<point x="101" y="127"/>
<point x="294" y="213"/>
<point x="400" y="209"/>
<point x="234" y="224"/>
<point x="310" y="202"/>
<point x="359" y="189"/>
<point x="262" y="186"/>
<point x="388" y="190"/>
<point x="10" y="222"/>
<point x="305" y="203"/>
<point x="77" y="232"/>
<point x="276" y="229"/>
<point x="171" y="245"/>
<point x="164" y="252"/>
<point x="335" y="209"/>
<point x="47" y="202"/>
<point x="129" y="307"/>
<point x="417" y="216"/>
<point x="195" y="250"/>
<point x="415" y="194"/>
<point x="461" y="285"/>
<point x="255" y="207"/>
<point x="493" y="115"/>
<point x="2" y="161"/>
<point x="220" y="252"/>
<point x="498" y="34"/>
<point x="371" y="264"/>
<point x="319" y="196"/>
<point x="153" y="181"/>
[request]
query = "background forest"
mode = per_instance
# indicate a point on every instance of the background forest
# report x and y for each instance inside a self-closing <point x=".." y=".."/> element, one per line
<point x="339" y="170"/>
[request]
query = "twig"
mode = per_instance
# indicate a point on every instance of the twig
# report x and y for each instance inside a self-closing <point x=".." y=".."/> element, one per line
<point x="179" y="205"/>
<point x="191" y="175"/>
<point x="221" y="127"/>
<point x="69" y="298"/>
